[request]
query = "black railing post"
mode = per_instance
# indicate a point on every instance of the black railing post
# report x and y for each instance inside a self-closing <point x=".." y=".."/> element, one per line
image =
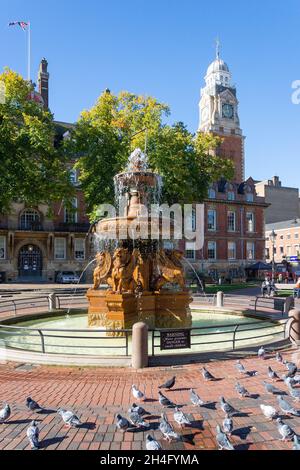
<point x="42" y="341"/>
<point x="15" y="307"/>
<point x="127" y="343"/>
<point x="153" y="337"/>
<point x="234" y="336"/>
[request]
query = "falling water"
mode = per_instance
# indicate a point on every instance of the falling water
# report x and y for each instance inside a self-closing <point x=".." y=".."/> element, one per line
<point x="75" y="290"/>
<point x="199" y="280"/>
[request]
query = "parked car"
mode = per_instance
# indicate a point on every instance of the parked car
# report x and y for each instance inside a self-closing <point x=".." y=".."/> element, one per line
<point x="67" y="277"/>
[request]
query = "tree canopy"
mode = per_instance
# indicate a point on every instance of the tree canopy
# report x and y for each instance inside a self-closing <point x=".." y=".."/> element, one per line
<point x="106" y="134"/>
<point x="33" y="169"/>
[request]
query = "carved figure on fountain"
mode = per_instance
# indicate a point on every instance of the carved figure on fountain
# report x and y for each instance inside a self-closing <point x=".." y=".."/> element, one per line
<point x="170" y="269"/>
<point x="103" y="269"/>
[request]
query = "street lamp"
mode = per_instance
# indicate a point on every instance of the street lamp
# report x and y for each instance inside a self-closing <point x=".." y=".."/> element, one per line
<point x="273" y="236"/>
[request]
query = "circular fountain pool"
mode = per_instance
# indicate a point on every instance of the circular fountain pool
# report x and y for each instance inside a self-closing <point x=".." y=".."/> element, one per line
<point x="70" y="336"/>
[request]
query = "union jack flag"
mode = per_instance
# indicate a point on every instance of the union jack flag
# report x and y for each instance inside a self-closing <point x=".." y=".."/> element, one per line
<point x="22" y="24"/>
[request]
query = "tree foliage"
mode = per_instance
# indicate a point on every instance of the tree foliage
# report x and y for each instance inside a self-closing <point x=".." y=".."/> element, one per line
<point x="33" y="170"/>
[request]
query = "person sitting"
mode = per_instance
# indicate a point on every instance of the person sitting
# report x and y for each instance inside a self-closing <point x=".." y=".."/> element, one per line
<point x="265" y="288"/>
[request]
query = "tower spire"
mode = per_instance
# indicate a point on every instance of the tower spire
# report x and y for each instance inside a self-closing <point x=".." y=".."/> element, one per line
<point x="218" y="46"/>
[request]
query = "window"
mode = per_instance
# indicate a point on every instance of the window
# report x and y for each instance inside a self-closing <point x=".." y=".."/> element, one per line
<point x="288" y="250"/>
<point x="73" y="176"/>
<point x="288" y="236"/>
<point x="79" y="248"/>
<point x="30" y="220"/>
<point x="71" y="214"/>
<point x="231" y="195"/>
<point x="194" y="220"/>
<point x="211" y="250"/>
<point x="211" y="220"/>
<point x="231" y="223"/>
<point x="2" y="247"/>
<point x="231" y="250"/>
<point x="60" y="248"/>
<point x="296" y="249"/>
<point x="250" y="250"/>
<point x="212" y="193"/>
<point x="281" y="250"/>
<point x="249" y="197"/>
<point x="190" y="252"/>
<point x="296" y="235"/>
<point x="267" y="253"/>
<point x="250" y="221"/>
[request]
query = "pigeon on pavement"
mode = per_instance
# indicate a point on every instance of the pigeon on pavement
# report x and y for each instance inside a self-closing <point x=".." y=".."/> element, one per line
<point x="271" y="389"/>
<point x="69" y="418"/>
<point x="223" y="441"/>
<point x="227" y="408"/>
<point x="294" y="392"/>
<point x="228" y="425"/>
<point x="138" y="421"/>
<point x="195" y="399"/>
<point x="296" y="445"/>
<point x="33" y="435"/>
<point x="122" y="423"/>
<point x="138" y="395"/>
<point x="242" y="390"/>
<point x="207" y="375"/>
<point x="5" y="413"/>
<point x="261" y="352"/>
<point x="164" y="401"/>
<point x="285" y="430"/>
<point x="272" y="374"/>
<point x="181" y="418"/>
<point x="33" y="405"/>
<point x="152" y="444"/>
<point x="167" y="429"/>
<point x="138" y="409"/>
<point x="239" y="366"/>
<point x="169" y="384"/>
<point x="269" y="411"/>
<point x="286" y="407"/>
<point x="279" y="357"/>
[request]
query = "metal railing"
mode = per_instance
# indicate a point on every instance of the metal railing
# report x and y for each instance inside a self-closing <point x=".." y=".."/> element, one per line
<point x="271" y="303"/>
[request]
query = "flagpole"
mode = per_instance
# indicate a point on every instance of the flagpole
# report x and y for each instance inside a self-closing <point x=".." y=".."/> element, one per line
<point x="29" y="52"/>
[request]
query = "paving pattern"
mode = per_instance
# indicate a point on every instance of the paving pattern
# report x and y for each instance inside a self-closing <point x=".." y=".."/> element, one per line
<point x="97" y="395"/>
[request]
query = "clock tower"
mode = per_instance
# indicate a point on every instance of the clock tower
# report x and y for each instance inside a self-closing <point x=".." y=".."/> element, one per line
<point x="219" y="114"/>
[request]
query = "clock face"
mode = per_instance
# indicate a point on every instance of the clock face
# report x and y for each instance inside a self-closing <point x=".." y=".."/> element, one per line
<point x="227" y="110"/>
<point x="204" y="114"/>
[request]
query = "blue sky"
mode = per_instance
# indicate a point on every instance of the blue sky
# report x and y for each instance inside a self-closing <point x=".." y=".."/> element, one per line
<point x="162" y="48"/>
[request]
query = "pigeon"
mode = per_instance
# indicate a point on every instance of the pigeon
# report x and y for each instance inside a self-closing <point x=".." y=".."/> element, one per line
<point x="269" y="411"/>
<point x="292" y="369"/>
<point x="33" y="405"/>
<point x="207" y="375"/>
<point x="227" y="408"/>
<point x="290" y="381"/>
<point x="138" y="409"/>
<point x="122" y="423"/>
<point x="279" y="357"/>
<point x="286" y="407"/>
<point x="137" y="393"/>
<point x="152" y="444"/>
<point x="181" y="418"/>
<point x="241" y="390"/>
<point x="138" y="421"/>
<point x="261" y="352"/>
<point x="223" y="441"/>
<point x="33" y="435"/>
<point x="69" y="418"/>
<point x="285" y="430"/>
<point x="169" y="383"/>
<point x="296" y="445"/>
<point x="271" y="389"/>
<point x="5" y="414"/>
<point x="240" y="367"/>
<point x="228" y="425"/>
<point x="167" y="429"/>
<point x="164" y="401"/>
<point x="195" y="399"/>
<point x="272" y="374"/>
<point x="294" y="392"/>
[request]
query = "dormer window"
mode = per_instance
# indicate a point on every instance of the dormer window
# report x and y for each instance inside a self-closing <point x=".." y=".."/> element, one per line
<point x="231" y="195"/>
<point x="249" y="197"/>
<point x="212" y="193"/>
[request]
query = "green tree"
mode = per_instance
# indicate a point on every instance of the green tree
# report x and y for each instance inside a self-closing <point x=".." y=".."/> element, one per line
<point x="106" y="134"/>
<point x="33" y="169"/>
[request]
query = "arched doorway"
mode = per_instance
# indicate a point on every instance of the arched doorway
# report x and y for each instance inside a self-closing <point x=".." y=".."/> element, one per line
<point x="30" y="261"/>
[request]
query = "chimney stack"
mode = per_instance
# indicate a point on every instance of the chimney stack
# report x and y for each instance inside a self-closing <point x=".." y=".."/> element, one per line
<point x="43" y="82"/>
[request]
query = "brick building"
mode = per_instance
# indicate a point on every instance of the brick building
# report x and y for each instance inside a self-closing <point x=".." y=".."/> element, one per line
<point x="234" y="213"/>
<point x="286" y="242"/>
<point x="34" y="246"/>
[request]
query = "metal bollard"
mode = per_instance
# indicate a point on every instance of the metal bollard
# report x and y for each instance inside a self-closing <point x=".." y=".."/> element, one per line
<point x="294" y="326"/>
<point x="52" y="302"/>
<point x="220" y="299"/>
<point x="139" y="346"/>
<point x="289" y="304"/>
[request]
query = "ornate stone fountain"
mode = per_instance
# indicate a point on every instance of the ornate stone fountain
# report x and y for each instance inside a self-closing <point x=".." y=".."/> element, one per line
<point x="146" y="282"/>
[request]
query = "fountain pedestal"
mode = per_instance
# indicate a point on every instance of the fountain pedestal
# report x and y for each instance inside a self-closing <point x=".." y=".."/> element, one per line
<point x="97" y="313"/>
<point x="173" y="309"/>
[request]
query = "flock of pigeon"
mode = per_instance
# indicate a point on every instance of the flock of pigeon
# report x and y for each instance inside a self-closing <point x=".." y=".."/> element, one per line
<point x="136" y="413"/>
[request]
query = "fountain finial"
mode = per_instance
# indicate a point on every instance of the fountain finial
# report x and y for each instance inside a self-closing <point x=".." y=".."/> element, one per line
<point x="138" y="161"/>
